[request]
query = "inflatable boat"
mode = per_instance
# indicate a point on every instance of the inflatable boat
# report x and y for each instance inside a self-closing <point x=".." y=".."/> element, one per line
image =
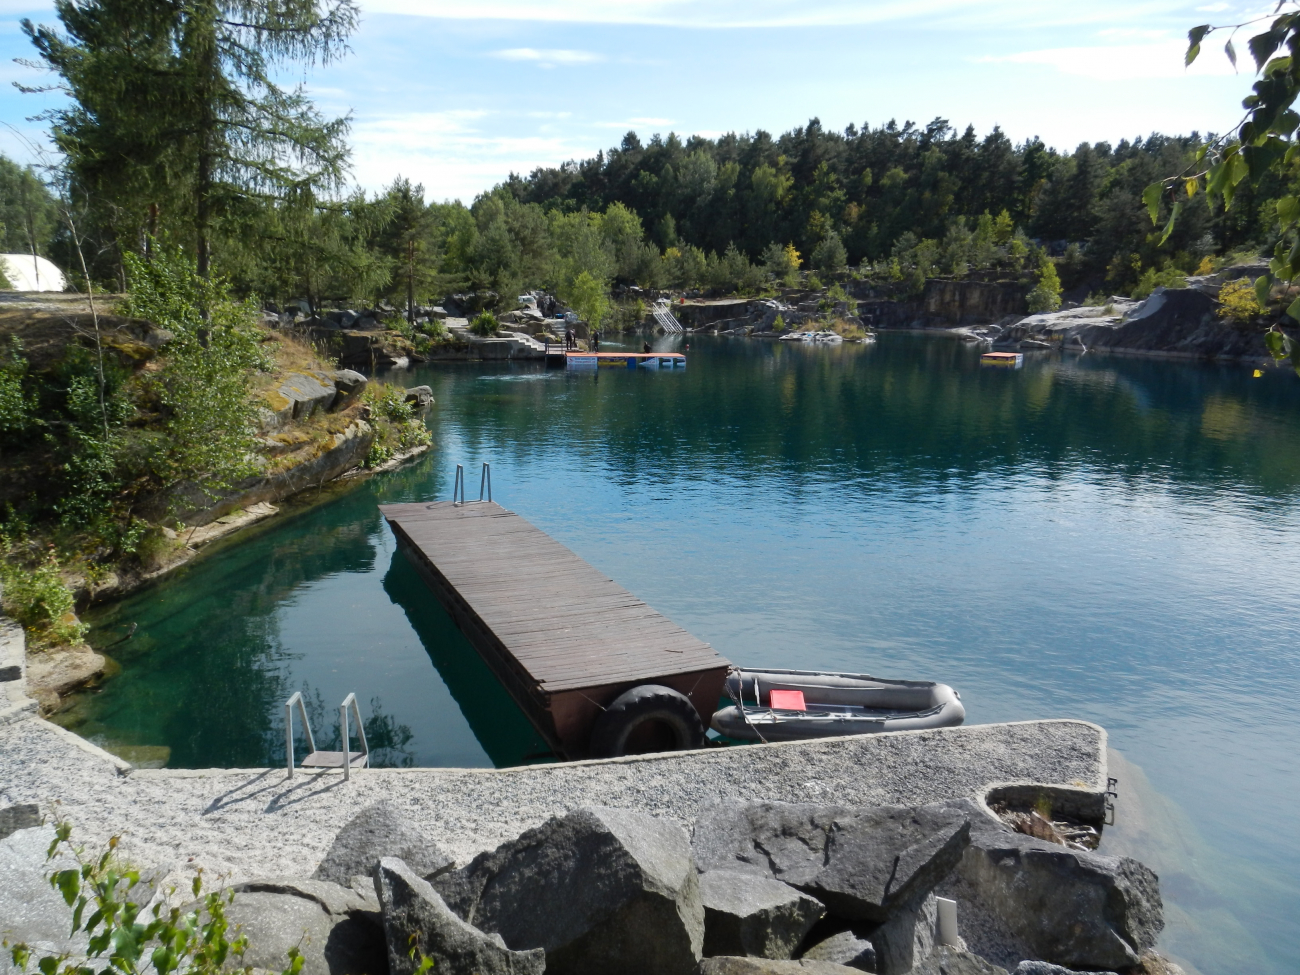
<point x="785" y="705"/>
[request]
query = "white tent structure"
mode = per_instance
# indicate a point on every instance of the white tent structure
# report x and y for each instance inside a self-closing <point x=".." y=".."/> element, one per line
<point x="26" y="273"/>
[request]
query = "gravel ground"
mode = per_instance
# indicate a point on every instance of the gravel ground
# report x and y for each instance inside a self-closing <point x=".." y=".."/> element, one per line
<point x="258" y="823"/>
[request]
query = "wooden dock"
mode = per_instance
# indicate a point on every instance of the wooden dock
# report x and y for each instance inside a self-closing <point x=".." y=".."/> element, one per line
<point x="564" y="639"/>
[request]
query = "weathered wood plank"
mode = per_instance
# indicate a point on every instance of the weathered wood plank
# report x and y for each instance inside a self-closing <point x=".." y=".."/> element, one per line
<point x="545" y="621"/>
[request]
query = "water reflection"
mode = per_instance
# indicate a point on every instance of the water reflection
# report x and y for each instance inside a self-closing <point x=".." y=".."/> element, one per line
<point x="496" y="721"/>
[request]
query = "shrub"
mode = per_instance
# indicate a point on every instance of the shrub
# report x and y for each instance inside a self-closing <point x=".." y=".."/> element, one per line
<point x="778" y="323"/>
<point x="17" y="406"/>
<point x="1237" y="301"/>
<point x="388" y="402"/>
<point x="42" y="602"/>
<point x="1168" y="277"/>
<point x="1046" y="294"/>
<point x="123" y="938"/>
<point x="485" y="324"/>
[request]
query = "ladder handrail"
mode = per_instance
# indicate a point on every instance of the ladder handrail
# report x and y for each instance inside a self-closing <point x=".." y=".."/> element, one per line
<point x="296" y="698"/>
<point x="664" y="316"/>
<point x="351" y="700"/>
<point x="484" y="484"/>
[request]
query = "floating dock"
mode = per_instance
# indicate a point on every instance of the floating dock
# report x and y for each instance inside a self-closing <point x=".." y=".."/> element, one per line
<point x="667" y="361"/>
<point x="564" y="639"/>
<point x="1012" y="360"/>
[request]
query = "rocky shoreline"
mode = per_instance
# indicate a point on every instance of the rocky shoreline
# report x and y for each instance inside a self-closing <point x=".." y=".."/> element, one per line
<point x="824" y="856"/>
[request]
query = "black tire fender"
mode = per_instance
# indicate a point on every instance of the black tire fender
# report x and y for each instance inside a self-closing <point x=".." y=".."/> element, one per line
<point x="643" y="704"/>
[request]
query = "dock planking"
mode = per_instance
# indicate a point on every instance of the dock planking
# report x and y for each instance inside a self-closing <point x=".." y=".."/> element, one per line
<point x="563" y="638"/>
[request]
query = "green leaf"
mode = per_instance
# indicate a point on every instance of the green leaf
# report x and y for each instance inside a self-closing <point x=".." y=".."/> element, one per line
<point x="1294" y="312"/>
<point x="1151" y="197"/>
<point x="1263" y="45"/>
<point x="1262" y="285"/>
<point x="1288" y="209"/>
<point x="68" y="883"/>
<point x="1169" y="227"/>
<point x="1231" y="51"/>
<point x="1194" y="38"/>
<point x="1275" y="342"/>
<point x="1190" y="185"/>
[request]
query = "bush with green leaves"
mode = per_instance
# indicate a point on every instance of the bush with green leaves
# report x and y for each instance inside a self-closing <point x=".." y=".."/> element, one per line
<point x="1166" y="277"/>
<point x="204" y="386"/>
<point x="40" y="600"/>
<point x="1046" y="294"/>
<point x="125" y="937"/>
<point x="17" y="404"/>
<point x="485" y="324"/>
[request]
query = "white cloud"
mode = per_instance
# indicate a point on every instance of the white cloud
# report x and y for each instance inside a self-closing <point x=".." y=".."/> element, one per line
<point x="450" y="152"/>
<point x="549" y="56"/>
<point x="1120" y="62"/>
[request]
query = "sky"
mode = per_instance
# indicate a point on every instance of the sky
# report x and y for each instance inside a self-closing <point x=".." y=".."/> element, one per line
<point x="457" y="94"/>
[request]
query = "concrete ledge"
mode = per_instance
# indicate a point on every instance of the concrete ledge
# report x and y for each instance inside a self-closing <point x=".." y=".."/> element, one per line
<point x="245" y="823"/>
<point x="14" y="702"/>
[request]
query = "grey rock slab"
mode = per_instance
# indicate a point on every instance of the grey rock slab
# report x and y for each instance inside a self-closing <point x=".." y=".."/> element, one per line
<point x="32" y="911"/>
<point x="860" y="861"/>
<point x="22" y="816"/>
<point x="844" y="948"/>
<point x="419" y="396"/>
<point x="738" y="965"/>
<point x="415" y="916"/>
<point x="1047" y="968"/>
<point x="338" y="931"/>
<point x="749" y="915"/>
<point x="599" y="889"/>
<point x="350" y="385"/>
<point x="953" y="961"/>
<point x="907" y="938"/>
<point x="381" y="830"/>
<point x="1071" y="908"/>
<point x="309" y="392"/>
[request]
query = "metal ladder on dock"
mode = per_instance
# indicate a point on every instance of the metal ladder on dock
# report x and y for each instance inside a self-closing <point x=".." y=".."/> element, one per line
<point x="346" y="759"/>
<point x="664" y="316"/>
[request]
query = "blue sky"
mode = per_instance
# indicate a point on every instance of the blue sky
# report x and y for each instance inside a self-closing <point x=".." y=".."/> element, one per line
<point x="457" y="94"/>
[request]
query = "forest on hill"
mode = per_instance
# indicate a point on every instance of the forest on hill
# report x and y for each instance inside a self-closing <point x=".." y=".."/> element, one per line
<point x="730" y="214"/>
<point x="176" y="133"/>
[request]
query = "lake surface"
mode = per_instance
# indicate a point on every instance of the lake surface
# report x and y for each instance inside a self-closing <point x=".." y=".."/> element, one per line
<point x="1104" y="538"/>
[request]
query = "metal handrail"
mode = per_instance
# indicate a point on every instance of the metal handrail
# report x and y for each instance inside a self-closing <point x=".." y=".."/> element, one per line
<point x="288" y="729"/>
<point x="484" y="485"/>
<point x="351" y="701"/>
<point x="664" y="316"/>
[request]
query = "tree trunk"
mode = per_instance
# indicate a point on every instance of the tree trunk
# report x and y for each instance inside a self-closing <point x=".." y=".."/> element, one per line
<point x="410" y="281"/>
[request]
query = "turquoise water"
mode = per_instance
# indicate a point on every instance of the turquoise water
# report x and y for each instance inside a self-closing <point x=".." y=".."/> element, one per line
<point x="1102" y="538"/>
